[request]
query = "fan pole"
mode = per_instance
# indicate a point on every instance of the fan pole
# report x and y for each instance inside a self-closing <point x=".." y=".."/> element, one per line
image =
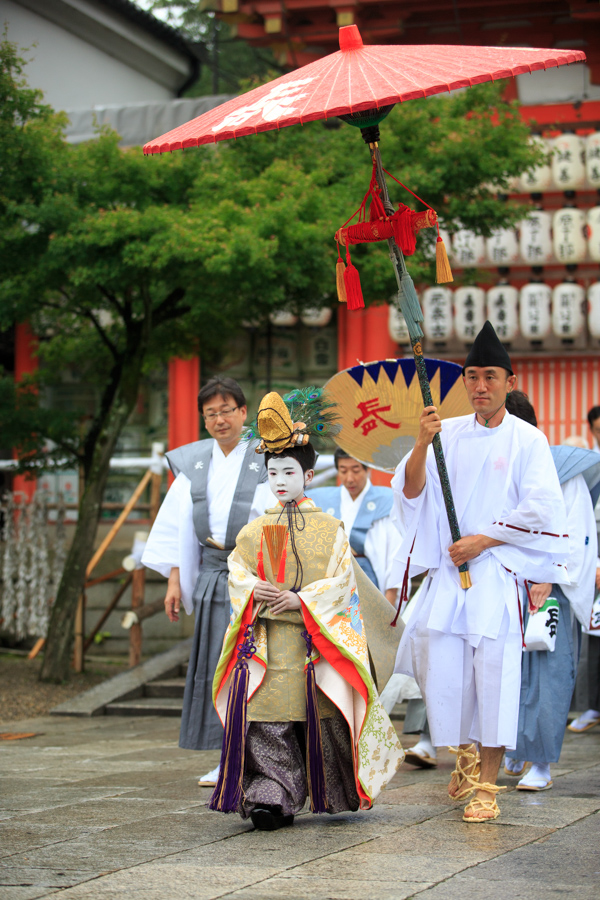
<point x="411" y="310"/>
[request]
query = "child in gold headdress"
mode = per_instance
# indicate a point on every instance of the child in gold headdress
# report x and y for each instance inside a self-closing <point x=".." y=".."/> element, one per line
<point x="294" y="685"/>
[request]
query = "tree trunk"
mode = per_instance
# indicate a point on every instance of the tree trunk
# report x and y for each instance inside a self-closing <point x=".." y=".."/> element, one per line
<point x="57" y="656"/>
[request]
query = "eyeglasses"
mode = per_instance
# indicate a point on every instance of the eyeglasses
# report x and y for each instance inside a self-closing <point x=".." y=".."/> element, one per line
<point x="226" y="412"/>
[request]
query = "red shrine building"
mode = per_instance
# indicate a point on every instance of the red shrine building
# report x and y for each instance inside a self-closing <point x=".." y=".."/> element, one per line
<point x="543" y="295"/>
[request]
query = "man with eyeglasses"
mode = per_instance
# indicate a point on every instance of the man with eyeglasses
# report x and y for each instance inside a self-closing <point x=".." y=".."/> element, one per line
<point x="219" y="487"/>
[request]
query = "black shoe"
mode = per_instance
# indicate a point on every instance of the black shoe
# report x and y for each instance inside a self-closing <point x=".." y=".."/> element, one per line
<point x="267" y="820"/>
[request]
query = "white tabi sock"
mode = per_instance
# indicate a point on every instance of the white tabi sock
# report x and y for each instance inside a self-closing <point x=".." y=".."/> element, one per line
<point x="513" y="765"/>
<point x="538" y="775"/>
<point x="425" y="746"/>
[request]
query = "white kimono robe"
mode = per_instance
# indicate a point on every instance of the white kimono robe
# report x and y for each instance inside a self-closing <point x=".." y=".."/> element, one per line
<point x="173" y="543"/>
<point x="464" y="647"/>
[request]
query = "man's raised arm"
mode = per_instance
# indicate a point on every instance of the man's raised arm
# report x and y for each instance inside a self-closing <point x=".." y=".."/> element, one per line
<point x="430" y="424"/>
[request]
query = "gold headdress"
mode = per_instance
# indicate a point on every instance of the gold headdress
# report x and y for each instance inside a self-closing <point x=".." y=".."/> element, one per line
<point x="293" y="420"/>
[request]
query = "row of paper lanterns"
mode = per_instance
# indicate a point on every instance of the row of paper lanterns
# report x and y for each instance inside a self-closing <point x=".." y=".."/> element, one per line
<point x="535" y="312"/>
<point x="574" y="161"/>
<point x="313" y="318"/>
<point x="567" y="235"/>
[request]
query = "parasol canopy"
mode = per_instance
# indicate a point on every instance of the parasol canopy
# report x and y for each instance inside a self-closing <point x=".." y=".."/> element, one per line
<point x="380" y="404"/>
<point x="358" y="78"/>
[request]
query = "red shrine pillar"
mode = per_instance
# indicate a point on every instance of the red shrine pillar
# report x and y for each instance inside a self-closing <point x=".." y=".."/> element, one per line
<point x="184" y="417"/>
<point x="377" y="340"/>
<point x="26" y="362"/>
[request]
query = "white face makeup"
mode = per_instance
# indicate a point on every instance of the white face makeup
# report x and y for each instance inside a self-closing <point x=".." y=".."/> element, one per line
<point x="287" y="480"/>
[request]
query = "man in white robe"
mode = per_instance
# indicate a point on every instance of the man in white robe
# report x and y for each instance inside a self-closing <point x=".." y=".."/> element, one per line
<point x="365" y="509"/>
<point x="464" y="646"/>
<point x="220" y="486"/>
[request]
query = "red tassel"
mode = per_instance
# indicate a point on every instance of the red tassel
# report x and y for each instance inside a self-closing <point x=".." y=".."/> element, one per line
<point x="281" y="570"/>
<point x="352" y="284"/>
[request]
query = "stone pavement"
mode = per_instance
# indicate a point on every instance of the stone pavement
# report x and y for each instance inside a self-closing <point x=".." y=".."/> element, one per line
<point x="107" y="807"/>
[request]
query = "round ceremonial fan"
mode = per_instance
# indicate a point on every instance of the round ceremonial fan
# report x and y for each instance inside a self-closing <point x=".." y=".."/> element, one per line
<point x="379" y="405"/>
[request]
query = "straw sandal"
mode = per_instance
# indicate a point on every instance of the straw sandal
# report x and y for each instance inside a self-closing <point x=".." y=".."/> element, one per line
<point x="477" y="805"/>
<point x="468" y="773"/>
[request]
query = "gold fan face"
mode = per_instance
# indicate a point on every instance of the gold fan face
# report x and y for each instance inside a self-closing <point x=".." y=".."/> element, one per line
<point x="380" y="405"/>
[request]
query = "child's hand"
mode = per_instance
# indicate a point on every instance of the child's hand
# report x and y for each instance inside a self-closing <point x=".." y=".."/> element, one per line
<point x="284" y="600"/>
<point x="265" y="591"/>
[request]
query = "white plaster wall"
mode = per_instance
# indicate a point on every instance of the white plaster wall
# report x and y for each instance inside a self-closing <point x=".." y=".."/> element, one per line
<point x="564" y="84"/>
<point x="72" y="73"/>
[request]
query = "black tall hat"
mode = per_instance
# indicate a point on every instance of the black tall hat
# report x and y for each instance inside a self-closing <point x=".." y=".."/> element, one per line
<point x="488" y="351"/>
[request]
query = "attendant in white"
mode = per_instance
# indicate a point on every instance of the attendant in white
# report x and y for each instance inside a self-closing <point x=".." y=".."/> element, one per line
<point x="548" y="677"/>
<point x="589" y="670"/>
<point x="464" y="646"/>
<point x="220" y="486"/>
<point x="365" y="509"/>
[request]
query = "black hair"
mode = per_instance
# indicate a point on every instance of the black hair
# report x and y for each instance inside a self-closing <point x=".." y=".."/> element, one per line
<point x="305" y="455"/>
<point x="341" y="454"/>
<point x="225" y="387"/>
<point x="519" y="405"/>
<point x="593" y="414"/>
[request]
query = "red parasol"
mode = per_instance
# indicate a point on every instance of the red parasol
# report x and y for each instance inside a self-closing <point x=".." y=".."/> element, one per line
<point x="358" y="78"/>
<point x="361" y="85"/>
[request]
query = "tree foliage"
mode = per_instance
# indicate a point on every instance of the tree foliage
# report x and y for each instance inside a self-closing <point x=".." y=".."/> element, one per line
<point x="120" y="262"/>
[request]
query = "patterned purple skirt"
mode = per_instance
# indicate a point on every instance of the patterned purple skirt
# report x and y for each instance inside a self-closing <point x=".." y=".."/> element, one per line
<point x="275" y="773"/>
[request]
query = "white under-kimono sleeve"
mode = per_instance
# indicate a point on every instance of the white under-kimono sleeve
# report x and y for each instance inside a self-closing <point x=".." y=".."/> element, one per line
<point x="173" y="543"/>
<point x="583" y="548"/>
<point x="533" y="530"/>
<point x="382" y="545"/>
<point x="418" y="520"/>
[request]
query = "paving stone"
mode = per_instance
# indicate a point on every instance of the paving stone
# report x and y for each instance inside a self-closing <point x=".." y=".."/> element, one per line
<point x="299" y="888"/>
<point x="107" y="813"/>
<point x="158" y="881"/>
<point x="25" y="893"/>
<point x="103" y="806"/>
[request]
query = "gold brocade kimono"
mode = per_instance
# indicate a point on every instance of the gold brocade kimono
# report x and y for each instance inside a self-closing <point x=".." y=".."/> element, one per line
<point x="332" y="605"/>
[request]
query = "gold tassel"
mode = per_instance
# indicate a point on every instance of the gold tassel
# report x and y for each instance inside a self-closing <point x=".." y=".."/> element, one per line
<point x="443" y="272"/>
<point x="339" y="280"/>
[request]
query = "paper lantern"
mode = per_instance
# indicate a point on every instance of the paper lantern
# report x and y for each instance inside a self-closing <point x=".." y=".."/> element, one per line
<point x="502" y="311"/>
<point x="469" y="312"/>
<point x="468" y="248"/>
<point x="535" y="241"/>
<point x="316" y="318"/>
<point x="593" y="222"/>
<point x="593" y="297"/>
<point x="397" y="326"/>
<point x="502" y="247"/>
<point x="567" y="309"/>
<point x="539" y="179"/>
<point x="569" y="241"/>
<point x="437" y="313"/>
<point x="534" y="315"/>
<point x="568" y="167"/>
<point x="283" y="319"/>
<point x="592" y="159"/>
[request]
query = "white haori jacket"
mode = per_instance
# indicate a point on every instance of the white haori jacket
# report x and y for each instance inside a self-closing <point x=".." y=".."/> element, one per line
<point x="504" y="485"/>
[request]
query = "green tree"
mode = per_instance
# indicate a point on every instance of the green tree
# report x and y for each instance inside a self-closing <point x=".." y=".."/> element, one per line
<point x="120" y="262"/>
<point x="226" y="61"/>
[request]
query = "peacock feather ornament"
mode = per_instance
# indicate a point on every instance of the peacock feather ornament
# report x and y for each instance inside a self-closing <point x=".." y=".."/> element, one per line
<point x="303" y="415"/>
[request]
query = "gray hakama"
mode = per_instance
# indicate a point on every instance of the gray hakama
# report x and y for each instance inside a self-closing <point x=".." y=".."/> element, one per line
<point x="201" y="728"/>
<point x="547" y="684"/>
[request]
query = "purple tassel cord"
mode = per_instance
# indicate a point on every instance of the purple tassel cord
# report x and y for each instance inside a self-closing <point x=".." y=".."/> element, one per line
<point x="228" y="793"/>
<point x="315" y="763"/>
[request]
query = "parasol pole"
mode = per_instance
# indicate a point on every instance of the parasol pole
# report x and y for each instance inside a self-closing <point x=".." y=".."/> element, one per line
<point x="413" y="315"/>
